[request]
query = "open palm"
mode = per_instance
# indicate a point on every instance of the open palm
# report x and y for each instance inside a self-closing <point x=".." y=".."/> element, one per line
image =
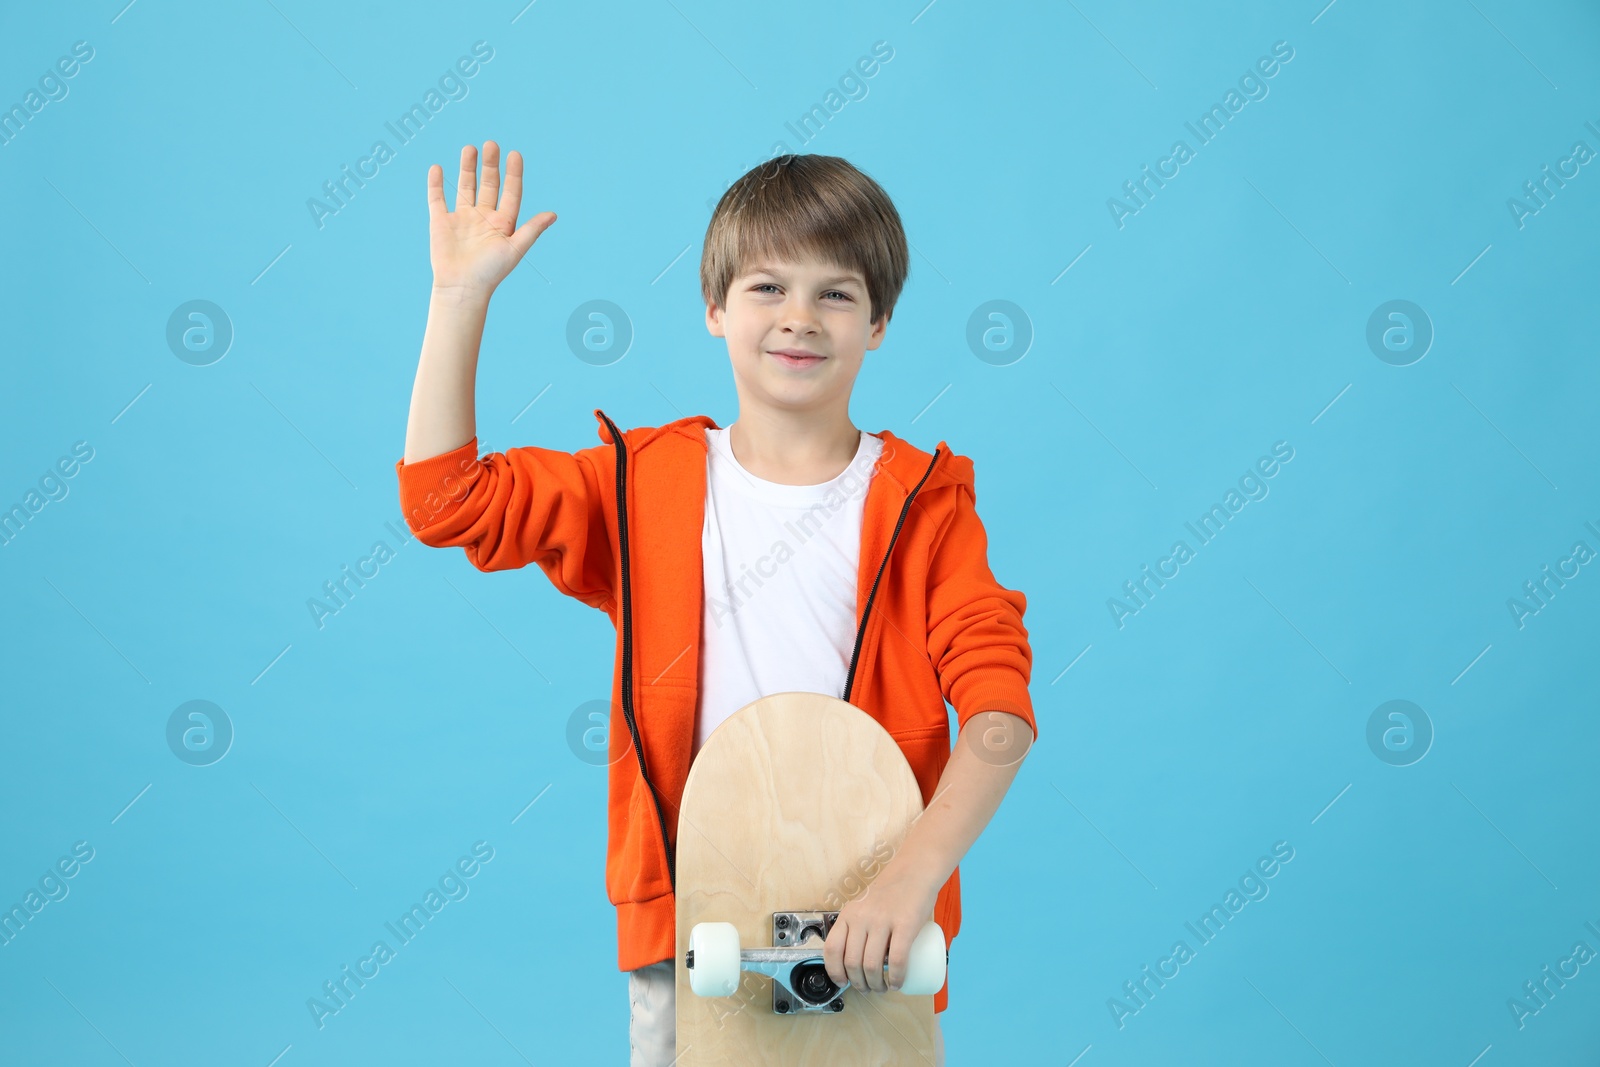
<point x="475" y="246"/>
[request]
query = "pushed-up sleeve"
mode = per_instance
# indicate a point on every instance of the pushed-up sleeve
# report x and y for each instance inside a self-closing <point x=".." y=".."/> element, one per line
<point x="976" y="637"/>
<point x="506" y="510"/>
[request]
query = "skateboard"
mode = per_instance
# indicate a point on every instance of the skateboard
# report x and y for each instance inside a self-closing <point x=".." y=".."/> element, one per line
<point x="791" y="807"/>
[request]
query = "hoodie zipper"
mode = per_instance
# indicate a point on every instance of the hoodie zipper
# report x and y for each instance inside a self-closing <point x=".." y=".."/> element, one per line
<point x="861" y="633"/>
<point x="627" y="643"/>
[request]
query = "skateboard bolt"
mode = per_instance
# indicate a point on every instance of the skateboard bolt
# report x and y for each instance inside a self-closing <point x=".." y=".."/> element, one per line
<point x="783" y="1006"/>
<point x="838" y="1004"/>
<point x="783" y="922"/>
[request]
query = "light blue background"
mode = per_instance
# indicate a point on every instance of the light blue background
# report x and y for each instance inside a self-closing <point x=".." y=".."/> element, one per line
<point x="1227" y="315"/>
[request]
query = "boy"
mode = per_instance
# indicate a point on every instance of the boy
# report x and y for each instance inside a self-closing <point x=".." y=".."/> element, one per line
<point x="789" y="551"/>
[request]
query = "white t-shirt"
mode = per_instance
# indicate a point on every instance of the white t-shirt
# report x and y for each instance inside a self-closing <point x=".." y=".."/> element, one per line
<point x="780" y="565"/>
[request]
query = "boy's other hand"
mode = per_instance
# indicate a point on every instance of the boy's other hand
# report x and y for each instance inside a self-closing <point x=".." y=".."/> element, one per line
<point x="877" y="926"/>
<point x="475" y="246"/>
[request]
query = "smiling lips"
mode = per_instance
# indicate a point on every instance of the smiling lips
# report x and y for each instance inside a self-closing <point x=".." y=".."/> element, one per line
<point x="796" y="357"/>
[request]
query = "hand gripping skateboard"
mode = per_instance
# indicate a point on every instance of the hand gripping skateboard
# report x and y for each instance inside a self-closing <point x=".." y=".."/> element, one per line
<point x="794" y="803"/>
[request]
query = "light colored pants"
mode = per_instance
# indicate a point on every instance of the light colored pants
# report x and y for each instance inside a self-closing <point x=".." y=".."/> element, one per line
<point x="653" y="1018"/>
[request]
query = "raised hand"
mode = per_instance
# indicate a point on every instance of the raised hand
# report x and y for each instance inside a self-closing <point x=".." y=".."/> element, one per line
<point x="475" y="246"/>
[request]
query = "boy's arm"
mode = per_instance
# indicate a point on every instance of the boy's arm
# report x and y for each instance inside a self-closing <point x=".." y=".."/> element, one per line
<point x="987" y="755"/>
<point x="882" y="924"/>
<point x="979" y="646"/>
<point x="976" y="637"/>
<point x="471" y="250"/>
<point x="505" y="510"/>
<point x="442" y="416"/>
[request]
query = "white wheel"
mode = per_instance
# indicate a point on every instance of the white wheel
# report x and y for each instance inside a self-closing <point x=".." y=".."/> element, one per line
<point x="925" y="968"/>
<point x="716" y="959"/>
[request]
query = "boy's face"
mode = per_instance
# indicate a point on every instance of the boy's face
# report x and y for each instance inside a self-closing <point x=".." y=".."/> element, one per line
<point x="779" y="307"/>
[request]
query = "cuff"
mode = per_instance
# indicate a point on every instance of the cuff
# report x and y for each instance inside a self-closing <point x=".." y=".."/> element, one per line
<point x="428" y="485"/>
<point x="995" y="689"/>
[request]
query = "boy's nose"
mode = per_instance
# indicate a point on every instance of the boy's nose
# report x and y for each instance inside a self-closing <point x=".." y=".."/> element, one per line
<point x="801" y="318"/>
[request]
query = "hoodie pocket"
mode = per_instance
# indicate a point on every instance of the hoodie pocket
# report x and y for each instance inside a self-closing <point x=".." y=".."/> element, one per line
<point x="638" y="871"/>
<point x="927" y="749"/>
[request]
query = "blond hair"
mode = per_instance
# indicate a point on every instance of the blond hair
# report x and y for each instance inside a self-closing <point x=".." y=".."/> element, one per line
<point x="795" y="204"/>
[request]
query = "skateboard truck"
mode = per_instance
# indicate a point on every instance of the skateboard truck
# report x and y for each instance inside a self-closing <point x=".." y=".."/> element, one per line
<point x="800" y="981"/>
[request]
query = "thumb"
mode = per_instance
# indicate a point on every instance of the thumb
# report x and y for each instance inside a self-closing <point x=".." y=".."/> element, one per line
<point x="529" y="232"/>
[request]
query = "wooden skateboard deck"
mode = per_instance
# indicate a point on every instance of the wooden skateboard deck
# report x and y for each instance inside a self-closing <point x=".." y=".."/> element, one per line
<point x="794" y="804"/>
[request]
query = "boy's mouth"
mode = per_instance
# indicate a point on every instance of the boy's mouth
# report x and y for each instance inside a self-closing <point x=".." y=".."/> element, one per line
<point x="796" y="357"/>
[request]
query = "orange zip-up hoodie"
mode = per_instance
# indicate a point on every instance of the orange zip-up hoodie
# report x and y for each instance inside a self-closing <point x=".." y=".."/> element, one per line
<point x="618" y="525"/>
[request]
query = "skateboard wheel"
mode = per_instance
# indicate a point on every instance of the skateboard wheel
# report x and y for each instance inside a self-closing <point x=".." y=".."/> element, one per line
<point x="716" y="959"/>
<point x="925" y="968"/>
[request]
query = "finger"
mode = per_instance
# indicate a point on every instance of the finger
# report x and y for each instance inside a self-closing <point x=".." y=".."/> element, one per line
<point x="855" y="940"/>
<point x="489" y="185"/>
<point x="899" y="960"/>
<point x="529" y="231"/>
<point x="436" y="204"/>
<point x="872" y="954"/>
<point x="468" y="175"/>
<point x="511" y="196"/>
<point x="833" y="953"/>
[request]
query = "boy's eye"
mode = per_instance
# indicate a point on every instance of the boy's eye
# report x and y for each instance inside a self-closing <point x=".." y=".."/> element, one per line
<point x="765" y="287"/>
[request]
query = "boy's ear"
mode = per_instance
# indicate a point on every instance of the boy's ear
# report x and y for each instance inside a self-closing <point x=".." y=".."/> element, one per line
<point x="714" y="320"/>
<point x="875" y="335"/>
